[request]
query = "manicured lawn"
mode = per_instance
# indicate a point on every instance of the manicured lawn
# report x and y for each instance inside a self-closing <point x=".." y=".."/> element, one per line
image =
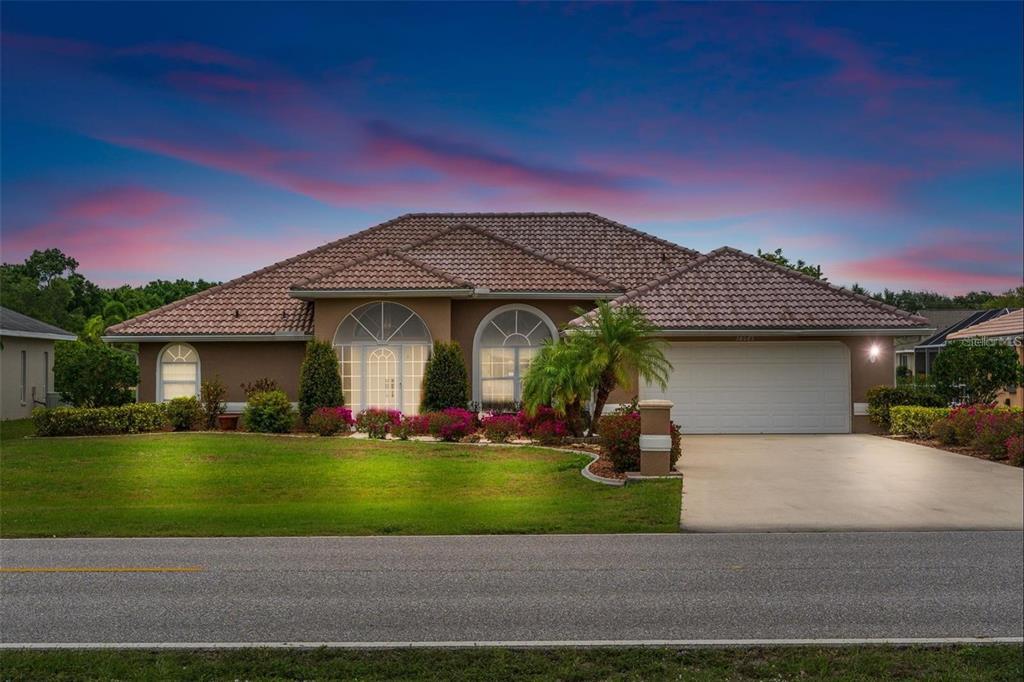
<point x="241" y="484"/>
<point x="795" y="663"/>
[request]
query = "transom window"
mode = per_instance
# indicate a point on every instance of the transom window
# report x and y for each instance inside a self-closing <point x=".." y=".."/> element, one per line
<point x="179" y="372"/>
<point x="506" y="342"/>
<point x="382" y="350"/>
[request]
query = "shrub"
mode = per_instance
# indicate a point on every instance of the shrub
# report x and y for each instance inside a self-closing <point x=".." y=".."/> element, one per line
<point x="268" y="412"/>
<point x="94" y="375"/>
<point x="319" y="380"/>
<point x="882" y="398"/>
<point x="445" y="380"/>
<point x="676" y="451"/>
<point x="261" y="385"/>
<point x="620" y="440"/>
<point x="1015" y="450"/>
<point x="994" y="428"/>
<point x="212" y="394"/>
<point x="971" y="372"/>
<point x="452" y="424"/>
<point x="915" y="421"/>
<point x="376" y="422"/>
<point x="550" y="432"/>
<point x="328" y="421"/>
<point x="500" y="428"/>
<point x="95" y="421"/>
<point x="183" y="413"/>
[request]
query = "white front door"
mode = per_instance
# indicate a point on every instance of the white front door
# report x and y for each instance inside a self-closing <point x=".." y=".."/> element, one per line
<point x="758" y="387"/>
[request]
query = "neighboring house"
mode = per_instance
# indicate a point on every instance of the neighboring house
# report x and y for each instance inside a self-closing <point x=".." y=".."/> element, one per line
<point x="939" y="319"/>
<point x="756" y="347"/>
<point x="1005" y="329"/>
<point x="926" y="351"/>
<point x="26" y="362"/>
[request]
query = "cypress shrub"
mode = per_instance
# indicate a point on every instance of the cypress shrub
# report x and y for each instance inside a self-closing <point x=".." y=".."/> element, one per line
<point x="445" y="380"/>
<point x="319" y="380"/>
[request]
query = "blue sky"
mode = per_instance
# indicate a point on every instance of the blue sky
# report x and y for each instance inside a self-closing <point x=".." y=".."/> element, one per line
<point x="206" y="140"/>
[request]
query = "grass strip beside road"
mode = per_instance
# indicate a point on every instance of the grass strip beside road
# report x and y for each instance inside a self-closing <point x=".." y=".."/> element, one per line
<point x="960" y="663"/>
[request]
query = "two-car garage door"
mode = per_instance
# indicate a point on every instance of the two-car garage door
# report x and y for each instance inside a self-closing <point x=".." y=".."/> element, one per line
<point x="758" y="387"/>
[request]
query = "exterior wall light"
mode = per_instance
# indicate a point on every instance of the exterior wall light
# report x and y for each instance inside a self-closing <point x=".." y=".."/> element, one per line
<point x="874" y="352"/>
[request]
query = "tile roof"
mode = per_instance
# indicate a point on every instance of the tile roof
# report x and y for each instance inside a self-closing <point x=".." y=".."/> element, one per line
<point x="259" y="303"/>
<point x="938" y="339"/>
<point x="14" y="323"/>
<point x="1009" y="324"/>
<point x="730" y="289"/>
<point x="386" y="270"/>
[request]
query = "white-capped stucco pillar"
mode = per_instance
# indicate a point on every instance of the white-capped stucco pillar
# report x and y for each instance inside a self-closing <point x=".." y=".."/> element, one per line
<point x="655" y="437"/>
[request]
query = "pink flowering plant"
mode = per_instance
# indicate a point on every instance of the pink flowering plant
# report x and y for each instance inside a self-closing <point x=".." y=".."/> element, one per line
<point x="620" y="440"/>
<point x="451" y="424"/>
<point x="500" y="428"/>
<point x="377" y="422"/>
<point x="1015" y="450"/>
<point x="329" y="421"/>
<point x="544" y="424"/>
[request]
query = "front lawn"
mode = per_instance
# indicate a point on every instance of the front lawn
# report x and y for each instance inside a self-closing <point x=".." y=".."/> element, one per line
<point x="198" y="484"/>
<point x="789" y="663"/>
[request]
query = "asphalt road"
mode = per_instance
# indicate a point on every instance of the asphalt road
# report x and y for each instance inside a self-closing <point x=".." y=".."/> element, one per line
<point x="514" y="588"/>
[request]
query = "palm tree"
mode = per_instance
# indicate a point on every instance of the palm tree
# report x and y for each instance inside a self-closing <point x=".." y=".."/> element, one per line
<point x="618" y="344"/>
<point x="561" y="377"/>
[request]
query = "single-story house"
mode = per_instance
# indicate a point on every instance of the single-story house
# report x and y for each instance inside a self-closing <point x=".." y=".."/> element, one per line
<point x="26" y="362"/>
<point x="939" y="319"/>
<point x="926" y="351"/>
<point x="1008" y="329"/>
<point x="756" y="347"/>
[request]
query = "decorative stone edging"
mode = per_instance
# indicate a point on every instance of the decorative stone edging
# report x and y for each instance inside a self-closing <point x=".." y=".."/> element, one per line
<point x="587" y="473"/>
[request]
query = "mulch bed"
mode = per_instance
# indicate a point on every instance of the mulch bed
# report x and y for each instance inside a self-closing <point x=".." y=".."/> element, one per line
<point x="957" y="449"/>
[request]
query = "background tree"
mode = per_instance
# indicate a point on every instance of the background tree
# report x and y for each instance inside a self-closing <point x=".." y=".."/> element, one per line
<point x="779" y="258"/>
<point x="561" y="376"/>
<point x="94" y="375"/>
<point x="319" y="380"/>
<point x="618" y="344"/>
<point x="445" y="379"/>
<point x="972" y="372"/>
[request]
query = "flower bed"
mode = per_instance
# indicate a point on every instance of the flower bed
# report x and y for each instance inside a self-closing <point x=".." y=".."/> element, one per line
<point x="979" y="430"/>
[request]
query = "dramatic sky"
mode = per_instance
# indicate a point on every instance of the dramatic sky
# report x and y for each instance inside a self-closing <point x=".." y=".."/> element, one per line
<point x="207" y="140"/>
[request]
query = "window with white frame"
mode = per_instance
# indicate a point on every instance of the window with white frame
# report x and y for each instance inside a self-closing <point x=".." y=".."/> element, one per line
<point x="506" y="342"/>
<point x="382" y="351"/>
<point x="178" y="372"/>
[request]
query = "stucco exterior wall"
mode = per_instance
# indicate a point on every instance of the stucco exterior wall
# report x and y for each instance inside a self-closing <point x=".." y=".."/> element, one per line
<point x="236" y="362"/>
<point x="38" y="375"/>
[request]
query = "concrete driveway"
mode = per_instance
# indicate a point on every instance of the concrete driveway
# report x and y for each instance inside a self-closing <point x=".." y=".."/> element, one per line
<point x="842" y="482"/>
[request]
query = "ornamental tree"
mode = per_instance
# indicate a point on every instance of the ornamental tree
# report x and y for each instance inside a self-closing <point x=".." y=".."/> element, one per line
<point x="970" y="371"/>
<point x="319" y="380"/>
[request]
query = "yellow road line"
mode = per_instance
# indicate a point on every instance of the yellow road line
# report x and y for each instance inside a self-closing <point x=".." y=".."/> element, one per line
<point x="103" y="569"/>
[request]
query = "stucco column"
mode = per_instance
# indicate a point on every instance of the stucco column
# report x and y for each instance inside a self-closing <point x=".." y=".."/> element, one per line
<point x="655" y="437"/>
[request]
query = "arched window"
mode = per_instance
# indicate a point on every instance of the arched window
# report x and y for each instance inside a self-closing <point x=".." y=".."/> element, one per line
<point x="177" y="372"/>
<point x="382" y="348"/>
<point x="505" y="343"/>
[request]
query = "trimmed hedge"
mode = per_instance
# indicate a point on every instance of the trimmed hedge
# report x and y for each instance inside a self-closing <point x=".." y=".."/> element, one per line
<point x="620" y="440"/>
<point x="99" y="421"/>
<point x="882" y="398"/>
<point x="445" y="379"/>
<point x="914" y="420"/>
<point x="268" y="412"/>
<point x="184" y="413"/>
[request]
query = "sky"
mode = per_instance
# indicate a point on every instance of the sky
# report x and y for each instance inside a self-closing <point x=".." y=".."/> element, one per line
<point x="883" y="141"/>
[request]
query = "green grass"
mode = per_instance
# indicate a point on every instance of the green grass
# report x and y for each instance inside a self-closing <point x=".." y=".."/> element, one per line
<point x="210" y="484"/>
<point x="12" y="429"/>
<point x="796" y="663"/>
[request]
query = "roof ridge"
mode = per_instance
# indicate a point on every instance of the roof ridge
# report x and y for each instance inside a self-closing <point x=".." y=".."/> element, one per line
<point x="661" y="279"/>
<point x="245" y="278"/>
<point x="823" y="283"/>
<point x="377" y="254"/>
<point x="535" y="253"/>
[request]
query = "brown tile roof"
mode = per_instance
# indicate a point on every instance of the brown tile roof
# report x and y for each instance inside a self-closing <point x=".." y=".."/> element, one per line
<point x="384" y="271"/>
<point x="259" y="303"/>
<point x="730" y="289"/>
<point x="1010" y="324"/>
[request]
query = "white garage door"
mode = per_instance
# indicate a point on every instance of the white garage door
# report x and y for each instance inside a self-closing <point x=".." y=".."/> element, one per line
<point x="759" y="387"/>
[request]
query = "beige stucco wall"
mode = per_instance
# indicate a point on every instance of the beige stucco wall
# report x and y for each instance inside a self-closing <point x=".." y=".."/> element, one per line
<point x="38" y="354"/>
<point x="236" y="362"/>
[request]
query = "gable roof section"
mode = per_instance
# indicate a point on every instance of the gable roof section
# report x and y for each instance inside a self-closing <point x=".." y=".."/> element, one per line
<point x="381" y="272"/>
<point x="259" y="303"/>
<point x="731" y="290"/>
<point x="13" y="323"/>
<point x="1008" y="324"/>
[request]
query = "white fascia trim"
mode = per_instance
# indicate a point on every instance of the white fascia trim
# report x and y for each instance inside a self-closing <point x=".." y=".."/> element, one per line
<point x="194" y="338"/>
<point x="786" y="332"/>
<point x="38" y="335"/>
<point x="377" y="293"/>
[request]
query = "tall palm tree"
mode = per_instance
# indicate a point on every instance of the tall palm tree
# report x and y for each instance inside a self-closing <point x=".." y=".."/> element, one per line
<point x="560" y="376"/>
<point x="618" y="344"/>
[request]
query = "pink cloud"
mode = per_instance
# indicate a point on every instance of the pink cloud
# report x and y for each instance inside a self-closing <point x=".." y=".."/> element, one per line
<point x="62" y="47"/>
<point x="195" y="53"/>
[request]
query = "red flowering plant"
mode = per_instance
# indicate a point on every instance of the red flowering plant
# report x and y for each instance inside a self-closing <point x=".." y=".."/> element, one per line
<point x="377" y="422"/>
<point x="620" y="440"/>
<point x="451" y="424"/>
<point x="411" y="425"/>
<point x="500" y="428"/>
<point x="993" y="428"/>
<point x="550" y="432"/>
<point x="328" y="421"/>
<point x="1015" y="450"/>
<point x="544" y="424"/>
